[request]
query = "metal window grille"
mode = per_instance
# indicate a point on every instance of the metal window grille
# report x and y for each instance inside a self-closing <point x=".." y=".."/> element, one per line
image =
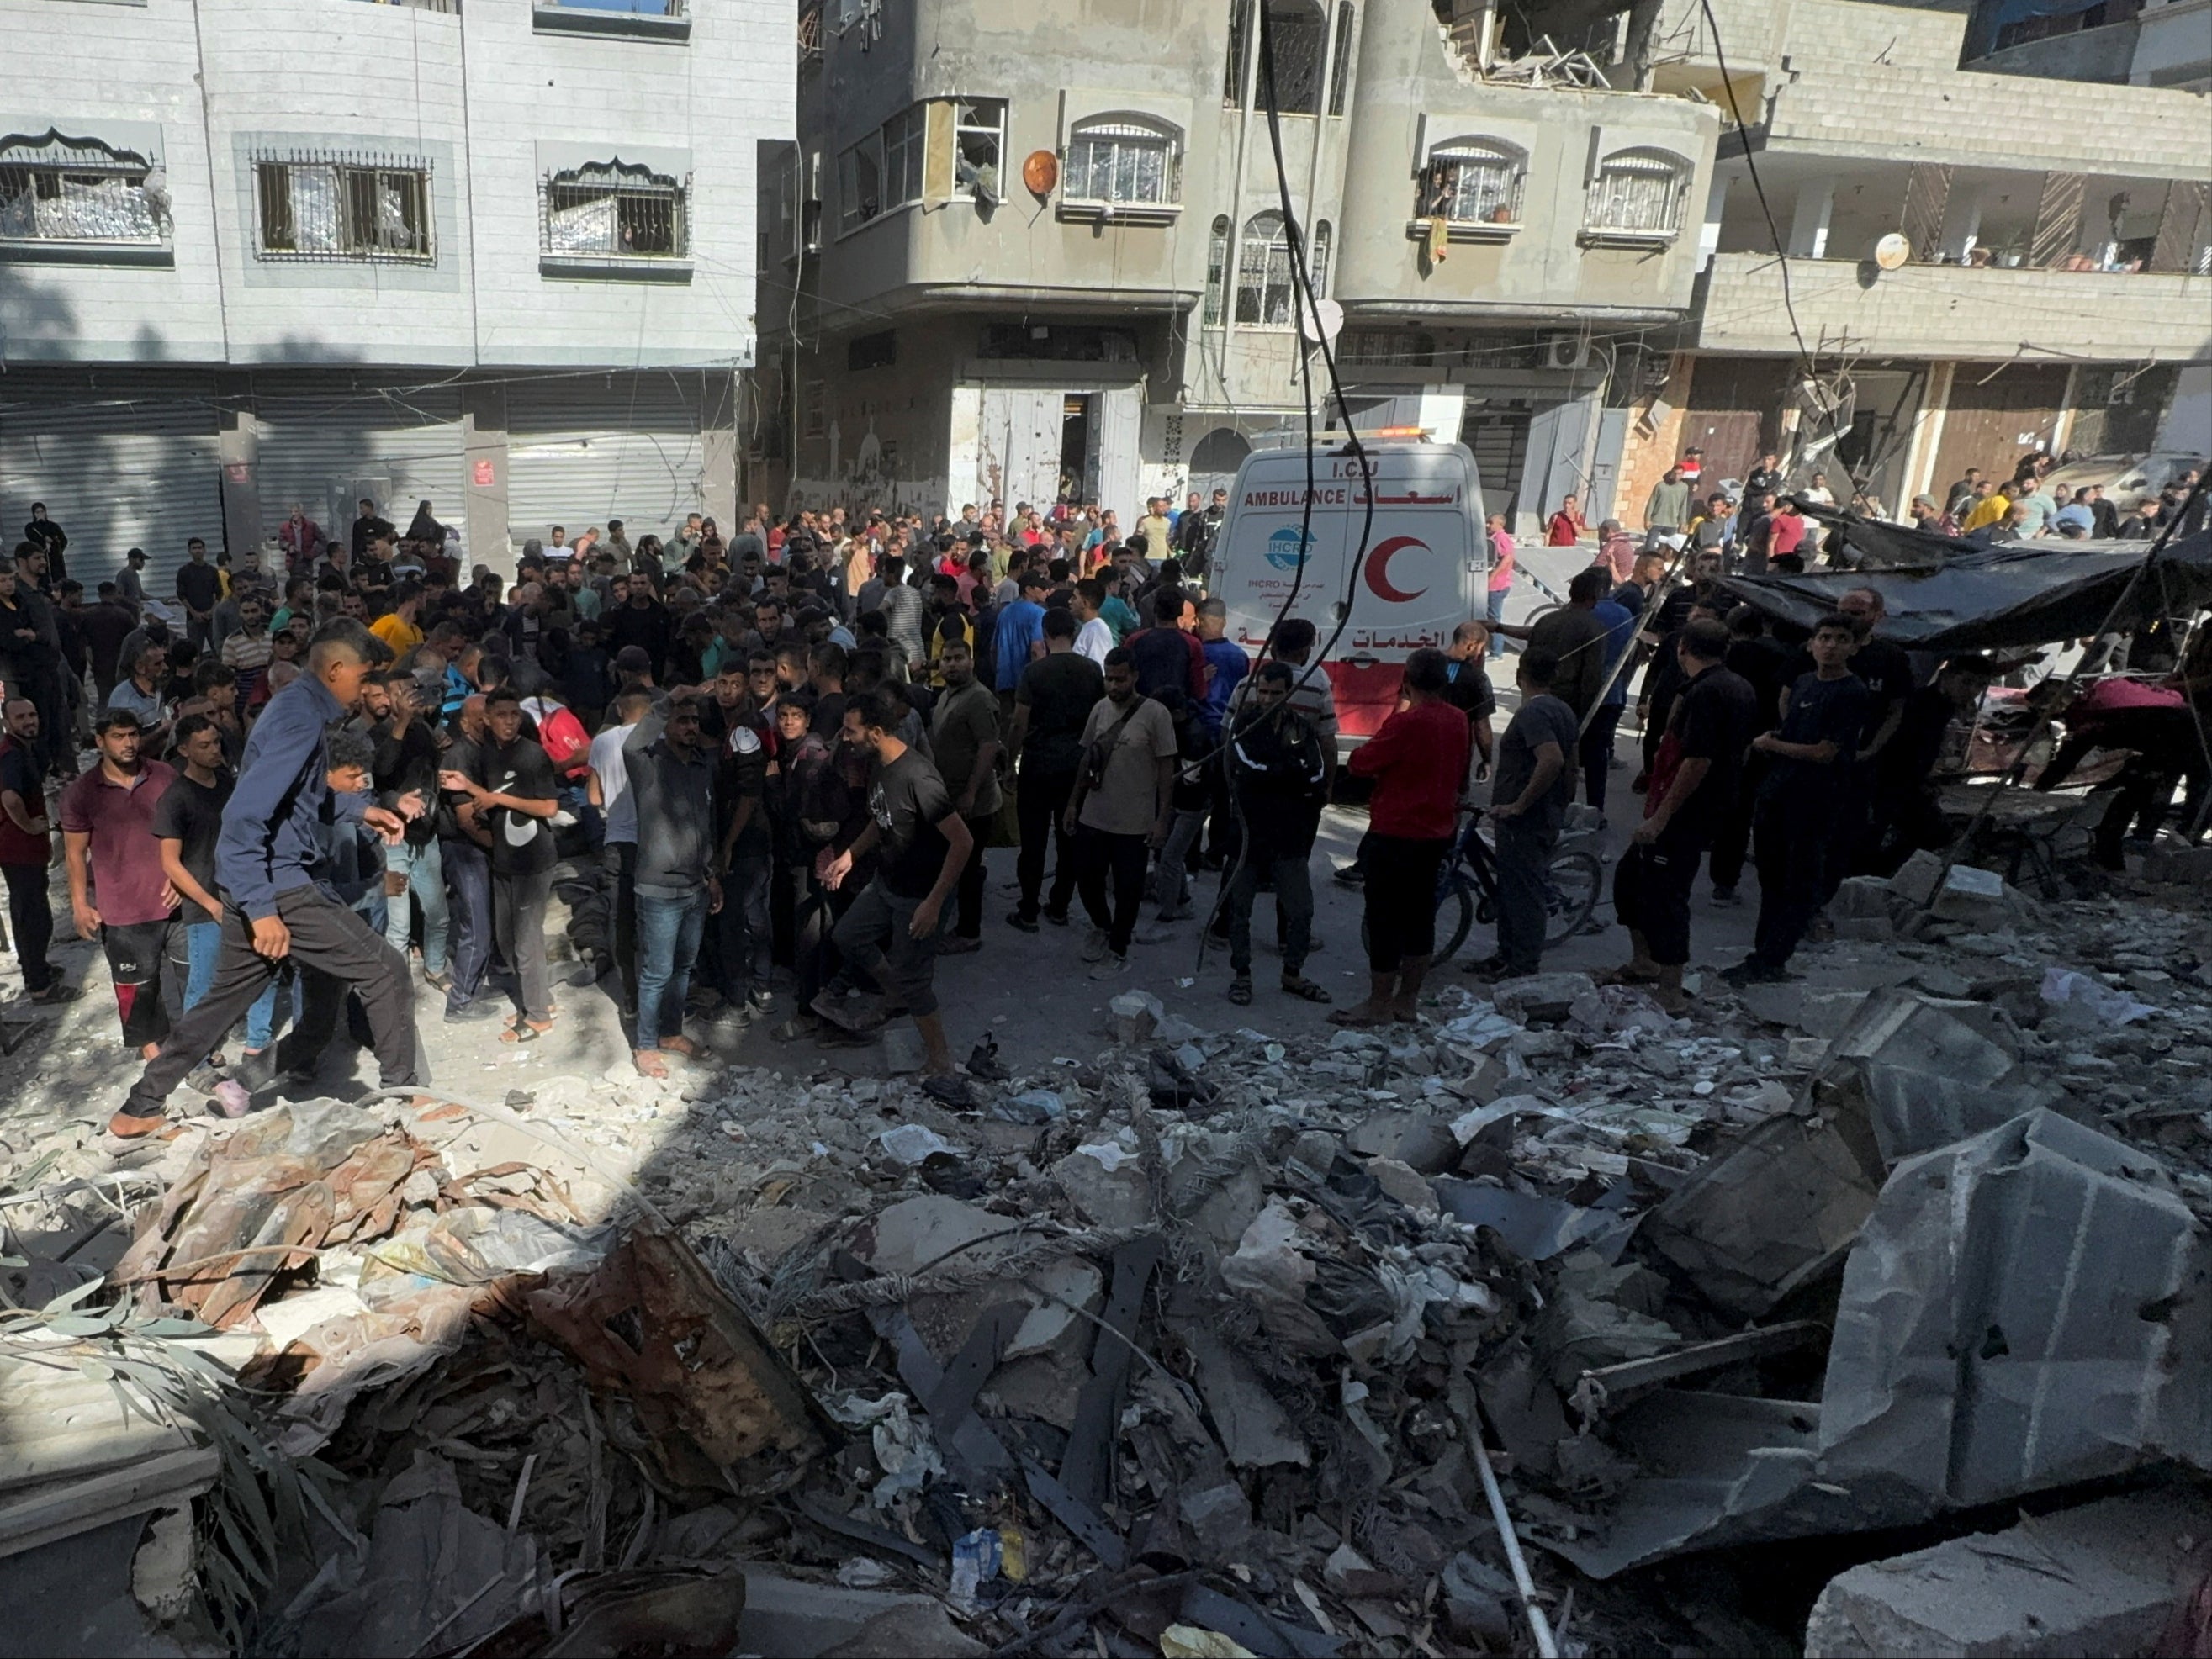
<point x="1340" y="72"/>
<point x="1240" y="48"/>
<point x="1216" y="274"/>
<point x="810" y="34"/>
<point x="1121" y="161"/>
<point x="1301" y="46"/>
<point x="330" y="206"/>
<point x="615" y="212"/>
<point x="1318" y="260"/>
<point x="58" y="190"/>
<point x="450" y="8"/>
<point x="1470" y="180"/>
<point x="979" y="143"/>
<point x="1263" y="273"/>
<point x="905" y="137"/>
<point x="1635" y="191"/>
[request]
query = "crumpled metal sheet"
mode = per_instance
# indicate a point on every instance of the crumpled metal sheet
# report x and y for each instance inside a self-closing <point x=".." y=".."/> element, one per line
<point x="718" y="1409"/>
<point x="311" y="1173"/>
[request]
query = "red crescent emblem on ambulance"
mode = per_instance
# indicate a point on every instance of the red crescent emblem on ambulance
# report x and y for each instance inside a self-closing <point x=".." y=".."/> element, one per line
<point x="1378" y="569"/>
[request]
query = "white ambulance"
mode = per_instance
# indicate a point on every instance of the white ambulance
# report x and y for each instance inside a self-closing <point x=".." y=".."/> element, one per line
<point x="1426" y="569"/>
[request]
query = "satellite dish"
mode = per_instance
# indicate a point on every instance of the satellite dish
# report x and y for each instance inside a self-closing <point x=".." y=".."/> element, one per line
<point x="1892" y="251"/>
<point x="1041" y="171"/>
<point x="1322" y="320"/>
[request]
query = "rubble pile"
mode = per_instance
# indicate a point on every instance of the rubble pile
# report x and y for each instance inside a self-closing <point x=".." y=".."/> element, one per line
<point x="1193" y="1341"/>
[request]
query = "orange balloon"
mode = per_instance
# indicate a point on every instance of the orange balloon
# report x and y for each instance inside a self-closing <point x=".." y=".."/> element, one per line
<point x="1041" y="171"/>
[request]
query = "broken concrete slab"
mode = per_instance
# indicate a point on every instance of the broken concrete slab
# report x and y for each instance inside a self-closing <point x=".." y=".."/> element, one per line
<point x="1403" y="1183"/>
<point x="2101" y="1578"/>
<point x="2026" y="1308"/>
<point x="1105" y="1183"/>
<point x="801" y="1620"/>
<point x="1821" y="1013"/>
<point x="1975" y="898"/>
<point x="1256" y="1431"/>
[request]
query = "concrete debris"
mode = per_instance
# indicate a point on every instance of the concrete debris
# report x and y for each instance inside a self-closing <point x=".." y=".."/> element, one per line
<point x="1202" y="1340"/>
<point x="2100" y="1578"/>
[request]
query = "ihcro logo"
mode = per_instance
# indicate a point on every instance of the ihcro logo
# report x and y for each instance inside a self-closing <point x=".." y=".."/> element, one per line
<point x="1287" y="547"/>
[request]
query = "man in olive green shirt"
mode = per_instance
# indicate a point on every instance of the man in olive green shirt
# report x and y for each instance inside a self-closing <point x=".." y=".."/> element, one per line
<point x="963" y="735"/>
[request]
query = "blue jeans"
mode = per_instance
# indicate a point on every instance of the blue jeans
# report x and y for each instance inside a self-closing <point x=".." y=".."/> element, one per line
<point x="668" y="934"/>
<point x="425" y="870"/>
<point x="468" y="877"/>
<point x="1498" y="644"/>
<point x="202" y="945"/>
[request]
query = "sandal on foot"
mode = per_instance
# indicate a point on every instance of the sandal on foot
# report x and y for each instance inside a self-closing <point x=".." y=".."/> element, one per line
<point x="1239" y="990"/>
<point x="650" y="1064"/>
<point x="525" y="1030"/>
<point x="1298" y="985"/>
<point x="680" y="1045"/>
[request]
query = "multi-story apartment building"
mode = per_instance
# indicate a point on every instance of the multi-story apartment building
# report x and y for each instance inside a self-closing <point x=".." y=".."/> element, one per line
<point x="1040" y="250"/>
<point x="496" y="254"/>
<point x="1979" y="264"/>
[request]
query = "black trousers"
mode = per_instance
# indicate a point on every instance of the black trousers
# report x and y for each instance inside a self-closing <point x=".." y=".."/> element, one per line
<point x="969" y="923"/>
<point x="619" y="860"/>
<point x="1651" y="893"/>
<point x="327" y="938"/>
<point x="1790" y="837"/>
<point x="32" y="914"/>
<point x="1100" y="854"/>
<point x="1041" y="805"/>
<point x="1400" y="894"/>
<point x="1596" y="752"/>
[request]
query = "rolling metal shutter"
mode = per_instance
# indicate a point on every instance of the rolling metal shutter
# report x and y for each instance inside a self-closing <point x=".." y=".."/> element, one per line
<point x="115" y="472"/>
<point x="583" y="449"/>
<point x="327" y="451"/>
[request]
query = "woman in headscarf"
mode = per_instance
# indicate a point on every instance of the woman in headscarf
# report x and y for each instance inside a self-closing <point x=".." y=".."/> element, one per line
<point x="425" y="528"/>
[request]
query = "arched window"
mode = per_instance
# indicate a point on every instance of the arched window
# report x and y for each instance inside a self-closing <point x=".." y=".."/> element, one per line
<point x="616" y="210"/>
<point x="1263" y="273"/>
<point x="1216" y="274"/>
<point x="1299" y="32"/>
<point x="1474" y="181"/>
<point x="1123" y="160"/>
<point x="1637" y="193"/>
<point x="54" y="189"/>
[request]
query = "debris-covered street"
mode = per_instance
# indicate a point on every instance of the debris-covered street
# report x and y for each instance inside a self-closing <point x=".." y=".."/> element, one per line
<point x="1190" y="1338"/>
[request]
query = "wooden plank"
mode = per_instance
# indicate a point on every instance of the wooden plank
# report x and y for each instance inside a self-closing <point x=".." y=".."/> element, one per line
<point x="2057" y="218"/>
<point x="68" y="1508"/>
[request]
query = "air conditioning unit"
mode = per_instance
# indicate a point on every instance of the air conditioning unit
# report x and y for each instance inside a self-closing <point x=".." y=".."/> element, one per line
<point x="1563" y="351"/>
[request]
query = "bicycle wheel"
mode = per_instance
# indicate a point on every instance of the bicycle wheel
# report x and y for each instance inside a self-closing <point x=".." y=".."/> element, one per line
<point x="1454" y="918"/>
<point x="1573" y="882"/>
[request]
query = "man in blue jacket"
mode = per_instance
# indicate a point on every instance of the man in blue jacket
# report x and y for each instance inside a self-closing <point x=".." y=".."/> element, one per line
<point x="274" y="905"/>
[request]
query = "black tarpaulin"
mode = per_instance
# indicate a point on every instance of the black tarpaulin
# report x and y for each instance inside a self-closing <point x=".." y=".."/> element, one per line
<point x="2004" y="597"/>
<point x="1878" y="544"/>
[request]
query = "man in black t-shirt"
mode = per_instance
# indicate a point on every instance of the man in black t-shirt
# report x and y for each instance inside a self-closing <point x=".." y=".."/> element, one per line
<point x="465" y="852"/>
<point x="890" y="935"/>
<point x="199" y="585"/>
<point x="1052" y="704"/>
<point x="1810" y="776"/>
<point x="1712" y="723"/>
<point x="512" y="788"/>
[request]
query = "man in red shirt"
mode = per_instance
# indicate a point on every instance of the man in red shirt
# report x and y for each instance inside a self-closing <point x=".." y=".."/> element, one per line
<point x="1418" y="763"/>
<point x="117" y="890"/>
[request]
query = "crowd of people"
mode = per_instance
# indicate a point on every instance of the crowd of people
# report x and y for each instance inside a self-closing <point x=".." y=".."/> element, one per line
<point x="779" y="755"/>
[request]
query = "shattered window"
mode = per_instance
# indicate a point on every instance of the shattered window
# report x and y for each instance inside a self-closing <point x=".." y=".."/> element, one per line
<point x="979" y="144"/>
<point x="58" y="190"/>
<point x="616" y="211"/>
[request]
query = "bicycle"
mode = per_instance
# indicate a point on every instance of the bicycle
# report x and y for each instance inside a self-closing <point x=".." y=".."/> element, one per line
<point x="1467" y="890"/>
